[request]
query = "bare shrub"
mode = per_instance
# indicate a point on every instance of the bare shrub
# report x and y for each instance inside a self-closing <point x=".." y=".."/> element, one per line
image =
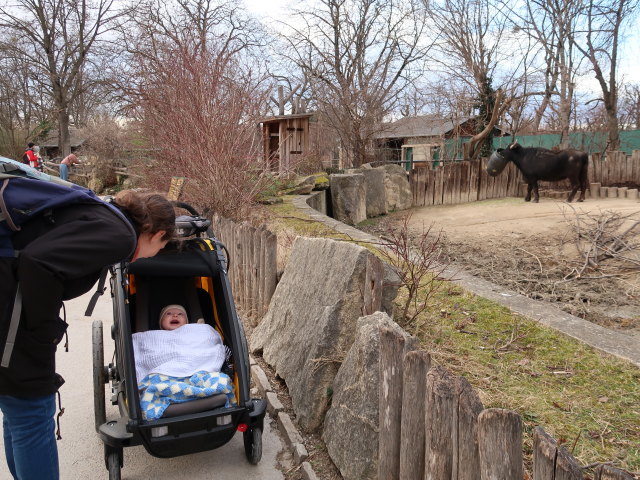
<point x="199" y="109"/>
<point x="418" y="261"/>
<point x="106" y="147"/>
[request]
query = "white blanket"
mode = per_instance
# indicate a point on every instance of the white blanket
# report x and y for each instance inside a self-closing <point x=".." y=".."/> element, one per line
<point x="178" y="353"/>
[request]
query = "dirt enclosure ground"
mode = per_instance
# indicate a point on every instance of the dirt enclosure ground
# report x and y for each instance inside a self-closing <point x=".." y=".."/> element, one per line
<point x="534" y="249"/>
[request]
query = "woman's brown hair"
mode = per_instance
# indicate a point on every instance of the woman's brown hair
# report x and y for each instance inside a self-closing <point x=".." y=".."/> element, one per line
<point x="150" y="212"/>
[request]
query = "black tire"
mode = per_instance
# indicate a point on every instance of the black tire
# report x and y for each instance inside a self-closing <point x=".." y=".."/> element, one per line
<point x="99" y="377"/>
<point x="113" y="464"/>
<point x="253" y="445"/>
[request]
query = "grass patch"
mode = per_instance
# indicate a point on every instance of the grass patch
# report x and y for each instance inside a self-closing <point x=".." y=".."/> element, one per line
<point x="587" y="400"/>
<point x="286" y="217"/>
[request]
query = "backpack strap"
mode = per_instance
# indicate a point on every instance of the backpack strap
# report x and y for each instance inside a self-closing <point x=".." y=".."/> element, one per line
<point x="98" y="293"/>
<point x="4" y="212"/>
<point x="13" y="329"/>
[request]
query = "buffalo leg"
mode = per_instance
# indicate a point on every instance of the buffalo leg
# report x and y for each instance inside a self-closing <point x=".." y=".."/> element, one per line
<point x="528" y="196"/>
<point x="536" y="197"/>
<point x="584" y="183"/>
<point x="574" y="189"/>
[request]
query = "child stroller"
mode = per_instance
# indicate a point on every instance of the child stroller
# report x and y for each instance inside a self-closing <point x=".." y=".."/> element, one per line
<point x="192" y="273"/>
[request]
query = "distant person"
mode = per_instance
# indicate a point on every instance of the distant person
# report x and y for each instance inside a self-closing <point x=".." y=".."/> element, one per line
<point x="29" y="157"/>
<point x="39" y="165"/>
<point x="65" y="165"/>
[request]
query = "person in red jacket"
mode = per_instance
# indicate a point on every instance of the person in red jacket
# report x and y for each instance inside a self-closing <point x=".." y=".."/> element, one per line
<point x="29" y="157"/>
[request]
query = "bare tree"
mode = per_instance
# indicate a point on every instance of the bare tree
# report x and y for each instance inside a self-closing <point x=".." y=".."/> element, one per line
<point x="630" y="107"/>
<point x="552" y="24"/>
<point x="598" y="37"/>
<point x="25" y="108"/>
<point x="58" y="38"/>
<point x="357" y="56"/>
<point x="473" y="36"/>
<point x="198" y="93"/>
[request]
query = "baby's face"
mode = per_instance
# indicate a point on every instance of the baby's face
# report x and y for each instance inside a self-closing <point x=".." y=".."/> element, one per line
<point x="173" y="318"/>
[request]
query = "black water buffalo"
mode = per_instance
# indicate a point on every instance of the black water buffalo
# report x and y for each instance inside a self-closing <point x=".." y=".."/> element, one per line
<point x="542" y="164"/>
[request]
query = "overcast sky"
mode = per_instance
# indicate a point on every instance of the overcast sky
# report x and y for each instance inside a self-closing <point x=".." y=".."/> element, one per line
<point x="629" y="65"/>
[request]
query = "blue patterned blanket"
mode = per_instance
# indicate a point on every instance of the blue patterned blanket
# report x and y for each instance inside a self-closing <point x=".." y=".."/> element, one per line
<point x="158" y="391"/>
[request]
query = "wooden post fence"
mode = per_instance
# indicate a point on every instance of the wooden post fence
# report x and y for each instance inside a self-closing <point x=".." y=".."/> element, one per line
<point x="416" y="366"/>
<point x="391" y="356"/>
<point x="433" y="427"/>
<point x="253" y="257"/>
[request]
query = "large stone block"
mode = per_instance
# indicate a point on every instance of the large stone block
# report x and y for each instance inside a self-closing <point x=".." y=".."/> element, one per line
<point x="348" y="198"/>
<point x="311" y="322"/>
<point x="392" y="169"/>
<point x="376" y="193"/>
<point x="397" y="189"/>
<point x="351" y="425"/>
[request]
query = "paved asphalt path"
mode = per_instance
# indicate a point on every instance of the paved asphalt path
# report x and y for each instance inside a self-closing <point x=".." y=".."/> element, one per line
<point x="81" y="451"/>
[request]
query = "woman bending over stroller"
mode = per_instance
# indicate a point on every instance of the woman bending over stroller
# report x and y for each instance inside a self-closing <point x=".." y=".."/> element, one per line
<point x="179" y="363"/>
<point x="61" y="255"/>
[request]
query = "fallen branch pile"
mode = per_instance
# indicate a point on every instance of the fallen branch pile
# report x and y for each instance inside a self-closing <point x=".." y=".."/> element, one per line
<point x="608" y="244"/>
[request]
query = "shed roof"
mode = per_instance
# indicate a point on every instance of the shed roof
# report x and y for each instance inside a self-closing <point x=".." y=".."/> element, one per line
<point x="76" y="139"/>
<point x="420" y="126"/>
<point x="286" y="117"/>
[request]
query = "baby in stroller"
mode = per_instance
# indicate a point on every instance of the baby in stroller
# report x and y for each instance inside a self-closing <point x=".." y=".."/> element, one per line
<point x="179" y="363"/>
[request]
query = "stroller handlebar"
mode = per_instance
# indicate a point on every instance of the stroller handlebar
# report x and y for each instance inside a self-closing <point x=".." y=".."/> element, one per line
<point x="187" y="207"/>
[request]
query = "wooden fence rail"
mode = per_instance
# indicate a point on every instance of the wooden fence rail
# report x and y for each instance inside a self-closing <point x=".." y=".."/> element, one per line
<point x="253" y="259"/>
<point x="433" y="427"/>
<point x="467" y="181"/>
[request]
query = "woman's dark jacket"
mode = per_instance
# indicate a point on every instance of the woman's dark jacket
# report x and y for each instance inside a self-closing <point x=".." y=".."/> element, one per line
<point x="60" y="258"/>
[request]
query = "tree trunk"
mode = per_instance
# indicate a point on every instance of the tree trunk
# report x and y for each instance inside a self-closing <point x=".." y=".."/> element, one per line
<point x="540" y="112"/>
<point x="64" y="139"/>
<point x="473" y="143"/>
<point x="565" y="116"/>
<point x="612" y="127"/>
<point x="566" y="96"/>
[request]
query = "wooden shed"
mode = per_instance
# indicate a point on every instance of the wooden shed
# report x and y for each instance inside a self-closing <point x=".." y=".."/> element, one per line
<point x="49" y="147"/>
<point x="416" y="141"/>
<point x="286" y="140"/>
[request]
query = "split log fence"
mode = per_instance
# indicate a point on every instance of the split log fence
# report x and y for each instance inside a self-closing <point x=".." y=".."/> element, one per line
<point x="467" y="181"/>
<point x="253" y="264"/>
<point x="433" y="426"/>
<point x="617" y="168"/>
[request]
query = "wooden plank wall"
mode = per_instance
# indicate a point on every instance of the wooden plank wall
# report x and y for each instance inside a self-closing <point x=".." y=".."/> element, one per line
<point x="467" y="181"/>
<point x="461" y="182"/>
<point x="617" y="168"/>
<point x="253" y="257"/>
<point x="444" y="432"/>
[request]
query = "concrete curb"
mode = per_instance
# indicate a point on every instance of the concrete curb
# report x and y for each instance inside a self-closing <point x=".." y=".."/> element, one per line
<point x="600" y="338"/>
<point x="289" y="432"/>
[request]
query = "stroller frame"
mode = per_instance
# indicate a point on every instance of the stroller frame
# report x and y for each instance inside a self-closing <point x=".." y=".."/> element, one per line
<point x="184" y="433"/>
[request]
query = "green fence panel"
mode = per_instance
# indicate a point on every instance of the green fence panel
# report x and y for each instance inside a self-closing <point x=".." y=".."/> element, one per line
<point x="590" y="142"/>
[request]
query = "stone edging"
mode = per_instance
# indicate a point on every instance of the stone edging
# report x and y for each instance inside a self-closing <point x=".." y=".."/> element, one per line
<point x="600" y="338"/>
<point x="289" y="432"/>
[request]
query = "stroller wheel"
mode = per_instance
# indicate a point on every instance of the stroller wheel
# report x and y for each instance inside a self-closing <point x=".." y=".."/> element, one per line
<point x="99" y="378"/>
<point x="253" y="445"/>
<point x="114" y="463"/>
